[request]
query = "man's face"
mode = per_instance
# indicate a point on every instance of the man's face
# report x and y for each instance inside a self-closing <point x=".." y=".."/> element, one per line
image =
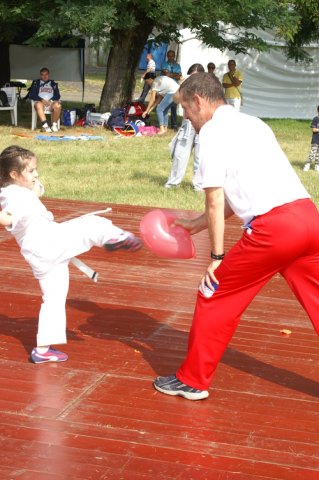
<point x="171" y="57"/>
<point x="232" y="66"/>
<point x="198" y="111"/>
<point x="44" y="75"/>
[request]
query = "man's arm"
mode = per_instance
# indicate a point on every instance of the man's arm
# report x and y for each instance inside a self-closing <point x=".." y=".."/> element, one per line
<point x="56" y="92"/>
<point x="215" y="214"/>
<point x="236" y="78"/>
<point x="34" y="91"/>
<point x="196" y="225"/>
<point x="234" y="81"/>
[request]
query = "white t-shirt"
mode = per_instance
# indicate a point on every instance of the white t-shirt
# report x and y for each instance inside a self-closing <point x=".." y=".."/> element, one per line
<point x="164" y="85"/>
<point x="151" y="65"/>
<point x="46" y="90"/>
<point x="241" y="154"/>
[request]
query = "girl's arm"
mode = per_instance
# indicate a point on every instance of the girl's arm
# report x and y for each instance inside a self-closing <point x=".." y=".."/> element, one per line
<point x="151" y="104"/>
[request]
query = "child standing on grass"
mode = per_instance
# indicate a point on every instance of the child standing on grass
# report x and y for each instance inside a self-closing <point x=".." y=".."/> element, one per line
<point x="48" y="246"/>
<point x="314" y="149"/>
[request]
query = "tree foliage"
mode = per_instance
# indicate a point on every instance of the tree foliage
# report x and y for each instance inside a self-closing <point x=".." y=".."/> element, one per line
<point x="127" y="24"/>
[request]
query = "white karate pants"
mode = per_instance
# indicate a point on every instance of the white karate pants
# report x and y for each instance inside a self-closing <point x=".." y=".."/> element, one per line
<point x="51" y="253"/>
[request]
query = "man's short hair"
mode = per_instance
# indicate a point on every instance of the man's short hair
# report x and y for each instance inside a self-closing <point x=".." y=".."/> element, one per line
<point x="204" y="85"/>
<point x="196" y="67"/>
<point x="149" y="75"/>
<point x="44" y="69"/>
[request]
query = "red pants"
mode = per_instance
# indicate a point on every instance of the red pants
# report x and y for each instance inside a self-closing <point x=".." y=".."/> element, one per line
<point x="284" y="240"/>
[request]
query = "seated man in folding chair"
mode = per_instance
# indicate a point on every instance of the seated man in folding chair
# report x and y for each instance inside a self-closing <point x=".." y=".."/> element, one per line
<point x="46" y="95"/>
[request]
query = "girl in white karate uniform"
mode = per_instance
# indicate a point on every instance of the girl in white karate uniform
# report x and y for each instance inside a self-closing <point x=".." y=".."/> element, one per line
<point x="48" y="246"/>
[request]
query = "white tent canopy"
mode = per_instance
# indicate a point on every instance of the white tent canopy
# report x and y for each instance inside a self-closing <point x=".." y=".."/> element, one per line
<point x="273" y="86"/>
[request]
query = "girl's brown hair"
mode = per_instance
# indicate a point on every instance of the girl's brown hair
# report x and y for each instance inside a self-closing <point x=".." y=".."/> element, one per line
<point x="13" y="159"/>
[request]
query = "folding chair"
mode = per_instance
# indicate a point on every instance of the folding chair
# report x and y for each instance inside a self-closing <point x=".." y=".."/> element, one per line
<point x="35" y="116"/>
<point x="13" y="102"/>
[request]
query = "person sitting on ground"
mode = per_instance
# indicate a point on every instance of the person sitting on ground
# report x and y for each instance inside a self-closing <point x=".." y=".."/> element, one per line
<point x="45" y="93"/>
<point x="162" y="93"/>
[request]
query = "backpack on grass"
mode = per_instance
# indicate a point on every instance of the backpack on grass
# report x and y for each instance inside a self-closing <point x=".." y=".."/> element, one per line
<point x="116" y="119"/>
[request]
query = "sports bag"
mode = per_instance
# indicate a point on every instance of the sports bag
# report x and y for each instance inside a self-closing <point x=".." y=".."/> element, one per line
<point x="116" y="119"/>
<point x="68" y="117"/>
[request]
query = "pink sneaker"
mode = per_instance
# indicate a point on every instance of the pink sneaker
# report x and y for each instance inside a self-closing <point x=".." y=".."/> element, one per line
<point x="51" y="355"/>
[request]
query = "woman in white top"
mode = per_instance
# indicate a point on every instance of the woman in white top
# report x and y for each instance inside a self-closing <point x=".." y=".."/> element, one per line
<point x="162" y="93"/>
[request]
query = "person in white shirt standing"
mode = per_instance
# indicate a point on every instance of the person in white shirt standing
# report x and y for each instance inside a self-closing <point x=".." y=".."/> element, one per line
<point x="280" y="231"/>
<point x="45" y="93"/>
<point x="149" y="68"/>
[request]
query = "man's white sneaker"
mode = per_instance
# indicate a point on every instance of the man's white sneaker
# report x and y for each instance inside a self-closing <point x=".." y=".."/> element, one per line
<point x="46" y="129"/>
<point x="54" y="127"/>
<point x="306" y="168"/>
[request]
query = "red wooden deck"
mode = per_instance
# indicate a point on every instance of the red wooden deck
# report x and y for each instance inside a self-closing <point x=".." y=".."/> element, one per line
<point x="98" y="417"/>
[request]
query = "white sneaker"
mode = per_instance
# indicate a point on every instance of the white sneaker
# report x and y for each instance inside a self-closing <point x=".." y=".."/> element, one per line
<point x="54" y="127"/>
<point x="46" y="129"/>
<point x="306" y="168"/>
<point x="317" y="168"/>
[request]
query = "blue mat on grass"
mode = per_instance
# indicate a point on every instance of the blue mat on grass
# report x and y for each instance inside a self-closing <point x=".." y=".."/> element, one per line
<point x="67" y="138"/>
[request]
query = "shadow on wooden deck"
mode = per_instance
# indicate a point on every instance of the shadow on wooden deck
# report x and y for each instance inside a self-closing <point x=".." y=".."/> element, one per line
<point x="98" y="417"/>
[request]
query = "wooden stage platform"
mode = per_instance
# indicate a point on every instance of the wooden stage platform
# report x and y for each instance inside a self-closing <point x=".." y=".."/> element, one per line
<point x="98" y="416"/>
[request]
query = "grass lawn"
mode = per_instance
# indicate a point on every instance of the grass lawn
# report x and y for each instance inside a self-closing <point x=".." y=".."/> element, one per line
<point x="132" y="170"/>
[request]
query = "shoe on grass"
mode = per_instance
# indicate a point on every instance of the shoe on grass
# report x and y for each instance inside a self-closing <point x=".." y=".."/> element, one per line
<point x="45" y="128"/>
<point x="55" y="127"/>
<point x="51" y="355"/>
<point x="306" y="168"/>
<point x="172" y="386"/>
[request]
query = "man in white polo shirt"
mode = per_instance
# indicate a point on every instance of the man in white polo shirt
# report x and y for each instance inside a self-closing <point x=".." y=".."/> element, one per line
<point x="280" y="232"/>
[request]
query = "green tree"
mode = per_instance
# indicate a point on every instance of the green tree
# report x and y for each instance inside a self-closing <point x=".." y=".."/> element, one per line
<point x="307" y="32"/>
<point x="127" y="25"/>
